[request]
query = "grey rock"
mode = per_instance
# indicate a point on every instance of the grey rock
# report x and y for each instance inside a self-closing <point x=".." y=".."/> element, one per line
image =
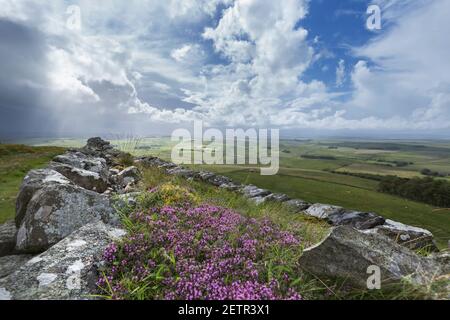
<point x="90" y="180"/>
<point x="412" y="237"/>
<point x="97" y="147"/>
<point x="56" y="210"/>
<point x="8" y="233"/>
<point x="219" y="180"/>
<point x="347" y="253"/>
<point x="129" y="175"/>
<point x="339" y="216"/>
<point x="230" y="186"/>
<point x="10" y="264"/>
<point x="277" y="197"/>
<point x="356" y="219"/>
<point x="297" y="205"/>
<point x="85" y="162"/>
<point x="251" y="191"/>
<point x="114" y="172"/>
<point x="322" y="211"/>
<point x="205" y="175"/>
<point x="98" y="144"/>
<point x="273" y="197"/>
<point x="32" y="182"/>
<point x="66" y="271"/>
<point x="179" y="171"/>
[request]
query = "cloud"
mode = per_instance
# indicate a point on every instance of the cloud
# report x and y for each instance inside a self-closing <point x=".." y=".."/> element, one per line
<point x="148" y="66"/>
<point x="340" y="73"/>
<point x="407" y="77"/>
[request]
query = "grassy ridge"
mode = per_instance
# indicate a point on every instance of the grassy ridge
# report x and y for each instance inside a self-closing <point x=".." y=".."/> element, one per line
<point x="15" y="162"/>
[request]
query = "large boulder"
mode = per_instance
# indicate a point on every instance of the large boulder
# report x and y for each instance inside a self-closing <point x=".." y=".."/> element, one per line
<point x="347" y="253"/>
<point x="338" y="216"/>
<point x="67" y="271"/>
<point x="90" y="180"/>
<point x="52" y="207"/>
<point x="8" y="233"/>
<point x="32" y="182"/>
<point x="411" y="237"/>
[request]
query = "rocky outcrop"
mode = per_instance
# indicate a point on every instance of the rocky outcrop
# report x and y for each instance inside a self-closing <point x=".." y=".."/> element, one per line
<point x="8" y="233"/>
<point x="347" y="253"/>
<point x="68" y="270"/>
<point x="97" y="147"/>
<point x="74" y="190"/>
<point x="56" y="210"/>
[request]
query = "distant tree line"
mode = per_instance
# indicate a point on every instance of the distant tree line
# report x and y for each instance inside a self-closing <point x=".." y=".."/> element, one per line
<point x="395" y="163"/>
<point x="314" y="157"/>
<point x="369" y="176"/>
<point x="431" y="173"/>
<point x="428" y="190"/>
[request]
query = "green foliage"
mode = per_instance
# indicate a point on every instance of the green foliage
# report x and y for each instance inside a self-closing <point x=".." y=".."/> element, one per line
<point x="428" y="190"/>
<point x="125" y="159"/>
<point x="15" y="162"/>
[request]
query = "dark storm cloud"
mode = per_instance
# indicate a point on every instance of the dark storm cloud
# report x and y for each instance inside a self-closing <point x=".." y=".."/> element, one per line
<point x="23" y="74"/>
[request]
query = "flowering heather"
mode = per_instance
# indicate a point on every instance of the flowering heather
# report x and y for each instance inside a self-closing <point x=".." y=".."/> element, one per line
<point x="204" y="252"/>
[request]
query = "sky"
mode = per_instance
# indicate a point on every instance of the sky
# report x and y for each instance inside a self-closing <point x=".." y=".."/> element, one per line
<point x="147" y="67"/>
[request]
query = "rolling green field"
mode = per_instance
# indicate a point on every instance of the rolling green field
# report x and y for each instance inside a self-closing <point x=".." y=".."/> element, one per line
<point x="312" y="170"/>
<point x="15" y="162"/>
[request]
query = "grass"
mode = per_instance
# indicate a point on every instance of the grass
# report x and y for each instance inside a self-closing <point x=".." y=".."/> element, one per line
<point x="344" y="194"/>
<point x="15" y="162"/>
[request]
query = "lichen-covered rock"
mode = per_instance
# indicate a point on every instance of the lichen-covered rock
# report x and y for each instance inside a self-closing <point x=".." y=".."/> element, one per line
<point x="97" y="147"/>
<point x="32" y="182"/>
<point x="66" y="271"/>
<point x="85" y="162"/>
<point x="411" y="237"/>
<point x="179" y="171"/>
<point x="346" y="253"/>
<point x="297" y="205"/>
<point x="8" y="233"/>
<point x="230" y="186"/>
<point x="57" y="209"/>
<point x="10" y="264"/>
<point x="322" y="211"/>
<point x="89" y="180"/>
<point x="356" y="219"/>
<point x="251" y="191"/>
<point x="130" y="175"/>
<point x="273" y="197"/>
<point x="338" y="216"/>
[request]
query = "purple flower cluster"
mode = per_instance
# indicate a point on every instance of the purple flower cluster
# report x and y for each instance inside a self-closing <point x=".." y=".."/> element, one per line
<point x="206" y="252"/>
